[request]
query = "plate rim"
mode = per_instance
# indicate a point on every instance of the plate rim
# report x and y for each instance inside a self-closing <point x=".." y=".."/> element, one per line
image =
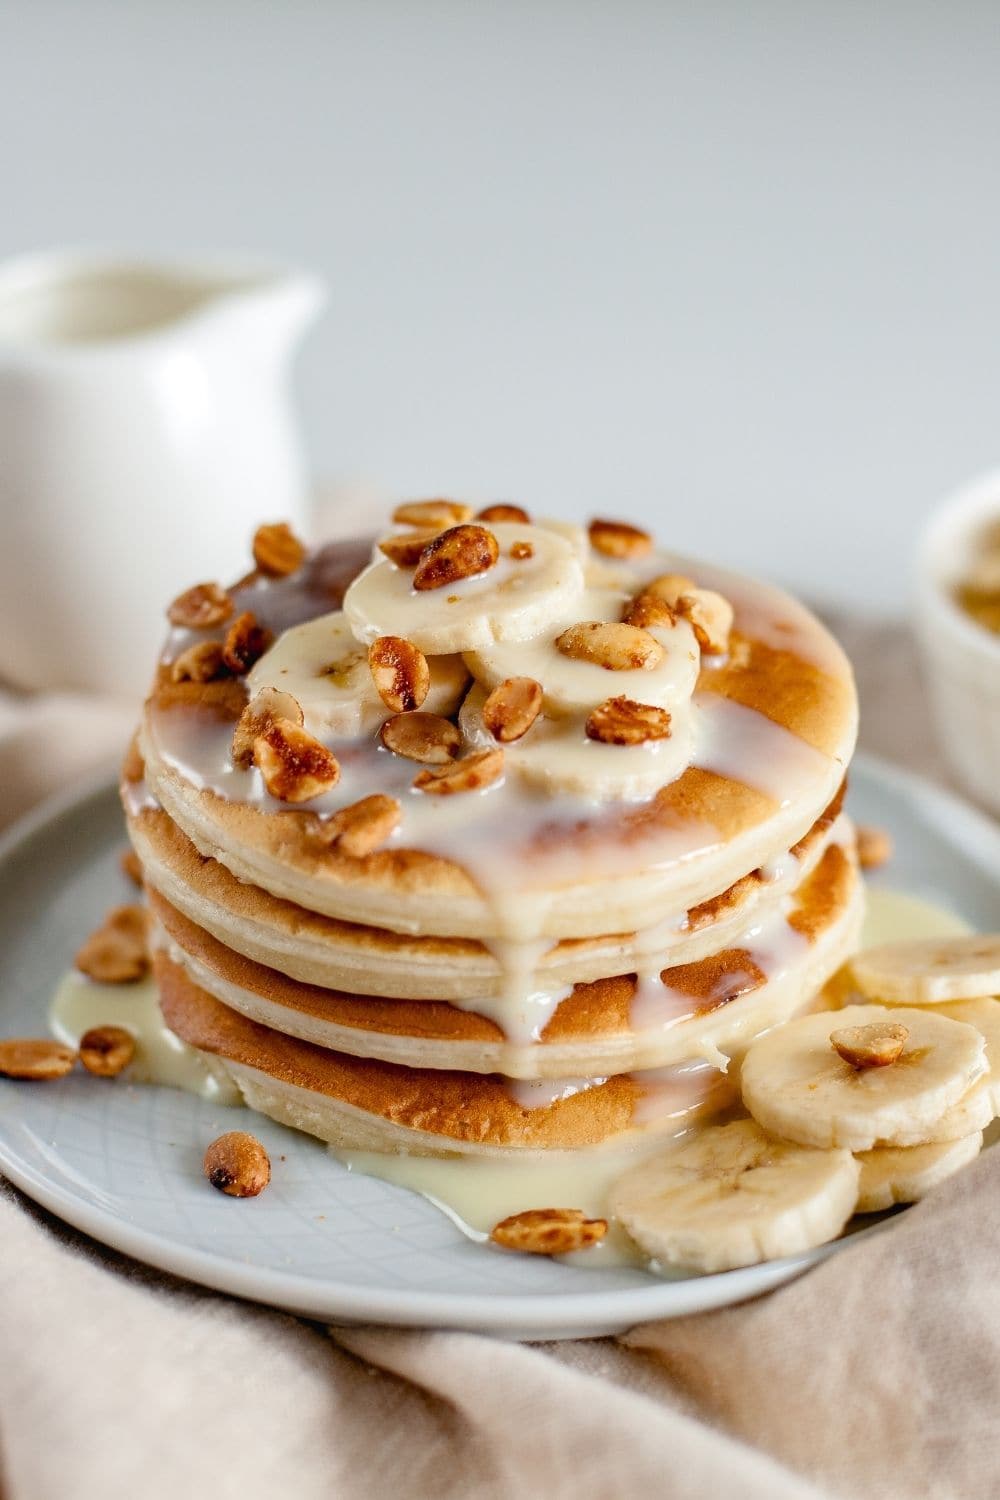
<point x="530" y="1314"/>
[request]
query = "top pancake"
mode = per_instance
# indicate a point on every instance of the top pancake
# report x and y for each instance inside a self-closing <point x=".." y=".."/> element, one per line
<point x="775" y="727"/>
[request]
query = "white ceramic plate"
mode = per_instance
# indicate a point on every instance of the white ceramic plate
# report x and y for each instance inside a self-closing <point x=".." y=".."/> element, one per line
<point x="123" y="1163"/>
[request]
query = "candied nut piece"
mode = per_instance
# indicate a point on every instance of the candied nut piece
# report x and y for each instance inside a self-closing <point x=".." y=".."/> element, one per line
<point x="405" y="550"/>
<point x="400" y="673"/>
<point x="294" y="764"/>
<point x="429" y="513"/>
<point x="107" y="1050"/>
<point x="35" y="1058"/>
<point x="470" y="774"/>
<point x="202" y="662"/>
<point x="237" y="1164"/>
<point x="245" y="643"/>
<point x="521" y="551"/>
<point x="875" y="1046"/>
<point x="130" y="866"/>
<point x="622" y="721"/>
<point x="615" y="647"/>
<point x="710" y="617"/>
<point x="548" y="1231"/>
<point x="669" y="586"/>
<point x="133" y="766"/>
<point x="116" y="953"/>
<point x="422" y="736"/>
<point x="647" y="609"/>
<point x="201" y="607"/>
<point x="460" y="552"/>
<point x="619" y="539"/>
<point x="277" y="551"/>
<point x="874" y="847"/>
<point x="512" y="708"/>
<point x="263" y="710"/>
<point x="360" y="829"/>
<point x="504" y="513"/>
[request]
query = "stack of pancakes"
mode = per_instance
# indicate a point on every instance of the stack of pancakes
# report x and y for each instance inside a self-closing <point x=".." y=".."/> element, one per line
<point x="433" y="871"/>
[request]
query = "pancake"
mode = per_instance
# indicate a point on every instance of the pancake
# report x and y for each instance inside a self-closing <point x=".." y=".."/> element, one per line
<point x="774" y="724"/>
<point x="706" y="1009"/>
<point x="367" y="959"/>
<point x="364" y="1104"/>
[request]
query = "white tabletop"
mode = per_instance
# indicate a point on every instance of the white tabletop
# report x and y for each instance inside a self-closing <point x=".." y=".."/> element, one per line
<point x="729" y="268"/>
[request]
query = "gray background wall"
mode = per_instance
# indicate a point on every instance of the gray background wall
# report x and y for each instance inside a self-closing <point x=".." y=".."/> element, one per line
<point x="732" y="268"/>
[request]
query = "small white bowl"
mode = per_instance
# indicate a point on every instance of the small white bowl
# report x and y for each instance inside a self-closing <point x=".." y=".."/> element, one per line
<point x="962" y="658"/>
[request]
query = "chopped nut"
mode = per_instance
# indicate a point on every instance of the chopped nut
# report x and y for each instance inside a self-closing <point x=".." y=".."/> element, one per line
<point x="874" y="1046"/>
<point x="400" y="673"/>
<point x="133" y="766"/>
<point x="116" y="953"/>
<point x="460" y="552"/>
<point x="237" y="1164"/>
<point x="874" y="847"/>
<point x="470" y="774"/>
<point x="710" y="617"/>
<point x="405" y="550"/>
<point x="130" y="866"/>
<point x="201" y="607"/>
<point x="512" y="708"/>
<point x="618" y="539"/>
<point x="263" y="710"/>
<point x="521" y="551"/>
<point x="549" y="1231"/>
<point x="647" y="609"/>
<point x="669" y="586"/>
<point x="615" y="647"/>
<point x="622" y="721"/>
<point x="295" y="766"/>
<point x="422" y="736"/>
<point x="512" y="513"/>
<point x="360" y="829"/>
<point x="245" y="643"/>
<point x="432" y="513"/>
<point x="202" y="662"/>
<point x="38" y="1059"/>
<point x="277" y="551"/>
<point x="107" y="1050"/>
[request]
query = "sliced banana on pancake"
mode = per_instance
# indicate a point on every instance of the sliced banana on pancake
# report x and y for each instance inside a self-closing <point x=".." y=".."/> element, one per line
<point x="905" y="1174"/>
<point x="555" y="755"/>
<point x="984" y="1015"/>
<point x="577" y="675"/>
<point x="930" y="971"/>
<point x="825" y="1079"/>
<point x="535" y="582"/>
<point x="326" y="670"/>
<point x="731" y="1196"/>
<point x="974" y="1111"/>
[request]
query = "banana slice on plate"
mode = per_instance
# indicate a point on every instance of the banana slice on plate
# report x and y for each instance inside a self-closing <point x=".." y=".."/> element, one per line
<point x="798" y="1085"/>
<point x="984" y="1015"/>
<point x="557" y="756"/>
<point x="930" y="971"/>
<point x="974" y="1111"/>
<point x="326" y="670"/>
<point x="731" y="1196"/>
<point x="535" y="581"/>
<point x="906" y="1174"/>
<point x="577" y="674"/>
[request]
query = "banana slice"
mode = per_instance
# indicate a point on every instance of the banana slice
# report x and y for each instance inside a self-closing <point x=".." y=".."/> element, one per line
<point x="984" y="1015"/>
<point x="573" y="686"/>
<point x="326" y="671"/>
<point x="513" y="600"/>
<point x="930" y="971"/>
<point x="556" y="755"/>
<point x="974" y="1111"/>
<point x="892" y="1174"/>
<point x="798" y="1086"/>
<point x="730" y="1196"/>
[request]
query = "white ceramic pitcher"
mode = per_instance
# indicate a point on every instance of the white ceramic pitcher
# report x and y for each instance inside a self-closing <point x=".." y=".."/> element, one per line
<point x="145" y="431"/>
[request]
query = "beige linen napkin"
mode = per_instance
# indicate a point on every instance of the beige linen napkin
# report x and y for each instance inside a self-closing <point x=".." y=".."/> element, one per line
<point x="876" y="1375"/>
